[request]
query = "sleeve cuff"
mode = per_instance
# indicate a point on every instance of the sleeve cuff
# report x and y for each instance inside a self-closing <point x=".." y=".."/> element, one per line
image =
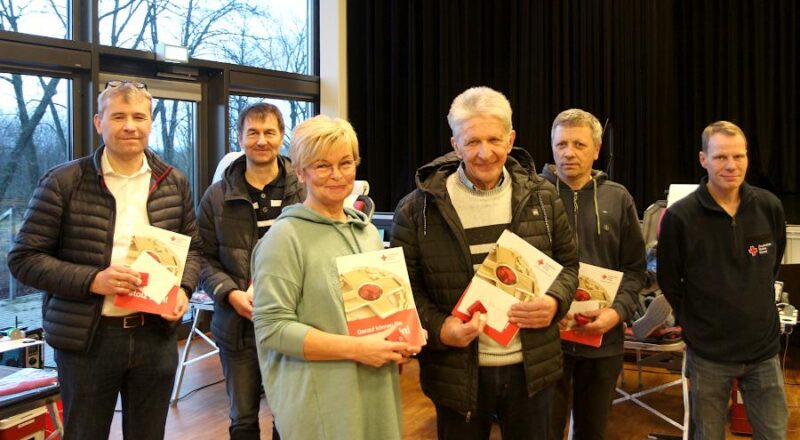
<point x="292" y="339"/>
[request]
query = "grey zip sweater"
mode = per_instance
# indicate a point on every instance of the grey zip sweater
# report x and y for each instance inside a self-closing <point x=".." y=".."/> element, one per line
<point x="603" y="218"/>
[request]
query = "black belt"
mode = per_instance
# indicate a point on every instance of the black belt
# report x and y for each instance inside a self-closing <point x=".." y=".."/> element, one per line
<point x="130" y="321"/>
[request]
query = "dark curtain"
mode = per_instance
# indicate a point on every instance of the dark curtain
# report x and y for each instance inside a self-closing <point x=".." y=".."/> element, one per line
<point x="657" y="71"/>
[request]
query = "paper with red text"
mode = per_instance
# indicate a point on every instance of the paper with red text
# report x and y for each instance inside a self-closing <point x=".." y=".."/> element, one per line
<point x="377" y="295"/>
<point x="159" y="256"/>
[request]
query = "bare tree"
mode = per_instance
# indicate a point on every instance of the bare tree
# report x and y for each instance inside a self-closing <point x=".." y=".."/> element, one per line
<point x="24" y="149"/>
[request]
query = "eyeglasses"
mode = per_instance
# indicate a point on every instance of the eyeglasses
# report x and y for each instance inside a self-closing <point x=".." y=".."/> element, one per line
<point x="117" y="83"/>
<point x="323" y="170"/>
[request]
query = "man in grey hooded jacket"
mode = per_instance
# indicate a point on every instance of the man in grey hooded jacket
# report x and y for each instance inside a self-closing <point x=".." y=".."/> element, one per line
<point x="605" y="223"/>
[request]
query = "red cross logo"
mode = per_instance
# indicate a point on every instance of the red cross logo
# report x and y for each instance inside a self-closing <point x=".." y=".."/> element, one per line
<point x="605" y="276"/>
<point x="384" y="257"/>
<point x="541" y="262"/>
<point x="752" y="250"/>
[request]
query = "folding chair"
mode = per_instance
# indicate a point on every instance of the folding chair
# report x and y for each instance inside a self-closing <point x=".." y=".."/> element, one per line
<point x="184" y="362"/>
<point x="663" y="356"/>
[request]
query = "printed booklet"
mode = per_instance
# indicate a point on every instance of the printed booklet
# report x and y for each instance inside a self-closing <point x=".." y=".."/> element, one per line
<point x="597" y="288"/>
<point x="377" y="295"/>
<point x="159" y="256"/>
<point x="514" y="271"/>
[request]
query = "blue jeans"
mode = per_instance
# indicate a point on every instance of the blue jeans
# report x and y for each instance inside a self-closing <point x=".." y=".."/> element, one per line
<point x="243" y="384"/>
<point x="502" y="397"/>
<point x="138" y="364"/>
<point x="761" y="385"/>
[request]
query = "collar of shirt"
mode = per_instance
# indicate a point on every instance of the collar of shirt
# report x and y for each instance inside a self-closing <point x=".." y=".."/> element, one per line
<point x="462" y="176"/>
<point x="108" y="170"/>
<point x="130" y="194"/>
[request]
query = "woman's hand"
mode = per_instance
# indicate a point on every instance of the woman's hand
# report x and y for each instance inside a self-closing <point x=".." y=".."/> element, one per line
<point x="374" y="350"/>
<point x="409" y="353"/>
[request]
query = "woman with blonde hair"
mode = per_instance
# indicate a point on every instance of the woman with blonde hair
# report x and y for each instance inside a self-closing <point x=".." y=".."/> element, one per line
<point x="321" y="382"/>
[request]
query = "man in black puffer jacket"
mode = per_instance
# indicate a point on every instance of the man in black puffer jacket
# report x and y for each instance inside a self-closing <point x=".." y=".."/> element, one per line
<point x="72" y="245"/>
<point x="463" y="202"/>
<point x="234" y="213"/>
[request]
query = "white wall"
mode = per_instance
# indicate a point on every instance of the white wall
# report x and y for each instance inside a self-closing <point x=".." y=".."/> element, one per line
<point x="333" y="57"/>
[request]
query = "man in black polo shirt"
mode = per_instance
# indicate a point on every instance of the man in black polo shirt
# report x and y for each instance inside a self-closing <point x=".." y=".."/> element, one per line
<point x="234" y="213"/>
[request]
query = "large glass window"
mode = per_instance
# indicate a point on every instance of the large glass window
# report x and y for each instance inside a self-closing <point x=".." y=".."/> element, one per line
<point x="48" y="18"/>
<point x="269" y="34"/>
<point x="294" y="112"/>
<point x="173" y="134"/>
<point x="34" y="136"/>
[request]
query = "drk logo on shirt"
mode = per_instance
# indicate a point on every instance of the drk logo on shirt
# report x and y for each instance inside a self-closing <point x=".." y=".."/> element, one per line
<point x="759" y="249"/>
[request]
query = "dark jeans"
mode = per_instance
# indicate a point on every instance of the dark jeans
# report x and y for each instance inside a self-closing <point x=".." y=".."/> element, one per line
<point x="138" y="364"/>
<point x="588" y="387"/>
<point x="243" y="383"/>
<point x="502" y="397"/>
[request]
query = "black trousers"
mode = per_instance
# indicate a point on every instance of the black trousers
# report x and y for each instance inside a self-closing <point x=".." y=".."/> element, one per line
<point x="588" y="388"/>
<point x="502" y="398"/>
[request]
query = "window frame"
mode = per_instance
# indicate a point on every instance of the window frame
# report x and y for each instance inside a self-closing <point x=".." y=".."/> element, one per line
<point x="81" y="59"/>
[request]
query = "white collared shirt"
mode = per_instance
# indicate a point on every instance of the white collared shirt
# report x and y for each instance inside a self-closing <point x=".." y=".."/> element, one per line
<point x="130" y="193"/>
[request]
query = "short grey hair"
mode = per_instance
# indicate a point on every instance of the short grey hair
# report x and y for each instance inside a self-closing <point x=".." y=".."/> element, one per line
<point x="479" y="101"/>
<point x="128" y="90"/>
<point x="576" y="117"/>
<point x="725" y="127"/>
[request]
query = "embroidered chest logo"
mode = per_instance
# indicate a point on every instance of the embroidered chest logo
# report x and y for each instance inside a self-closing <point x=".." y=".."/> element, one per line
<point x="760" y="249"/>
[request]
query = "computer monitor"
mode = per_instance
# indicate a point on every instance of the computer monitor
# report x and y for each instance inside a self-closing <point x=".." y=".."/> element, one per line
<point x="383" y="221"/>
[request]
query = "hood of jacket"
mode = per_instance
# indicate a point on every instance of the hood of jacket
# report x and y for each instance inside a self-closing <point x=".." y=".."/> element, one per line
<point x="431" y="176"/>
<point x="597" y="178"/>
<point x="549" y="173"/>
<point x="354" y="217"/>
<point x="348" y="230"/>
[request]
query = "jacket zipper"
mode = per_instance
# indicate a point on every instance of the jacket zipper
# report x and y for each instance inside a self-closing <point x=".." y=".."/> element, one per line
<point x="575" y="218"/>
<point x="573" y="345"/>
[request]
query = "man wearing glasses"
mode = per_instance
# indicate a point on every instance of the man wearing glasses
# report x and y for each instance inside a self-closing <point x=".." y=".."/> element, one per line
<point x="234" y="213"/>
<point x="72" y="246"/>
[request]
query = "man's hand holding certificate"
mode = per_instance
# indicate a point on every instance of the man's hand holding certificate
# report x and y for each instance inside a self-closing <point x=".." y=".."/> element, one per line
<point x="513" y="272"/>
<point x="158" y="256"/>
<point x="597" y="288"/>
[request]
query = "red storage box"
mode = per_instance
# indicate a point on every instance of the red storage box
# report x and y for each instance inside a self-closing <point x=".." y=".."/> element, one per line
<point x="24" y="426"/>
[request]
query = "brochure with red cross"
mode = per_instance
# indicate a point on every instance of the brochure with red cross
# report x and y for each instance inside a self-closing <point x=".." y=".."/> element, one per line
<point x="159" y="257"/>
<point x="597" y="288"/>
<point x="376" y="294"/>
<point x="514" y="271"/>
